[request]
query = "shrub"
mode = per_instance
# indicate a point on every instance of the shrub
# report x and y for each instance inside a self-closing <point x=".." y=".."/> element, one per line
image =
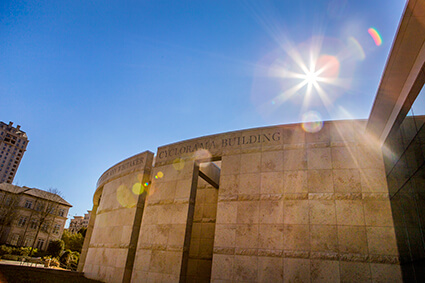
<point x="55" y="248"/>
<point x="5" y="250"/>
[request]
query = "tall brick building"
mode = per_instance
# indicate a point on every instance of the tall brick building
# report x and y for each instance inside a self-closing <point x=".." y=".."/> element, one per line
<point x="13" y="143"/>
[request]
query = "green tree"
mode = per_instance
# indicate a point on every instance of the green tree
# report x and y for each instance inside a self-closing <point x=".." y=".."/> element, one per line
<point x="73" y="242"/>
<point x="55" y="248"/>
<point x="83" y="231"/>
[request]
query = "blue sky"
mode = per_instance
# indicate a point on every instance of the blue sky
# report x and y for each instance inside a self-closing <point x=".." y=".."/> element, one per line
<point x="95" y="82"/>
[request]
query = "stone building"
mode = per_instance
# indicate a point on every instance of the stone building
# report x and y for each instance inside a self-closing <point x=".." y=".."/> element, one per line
<point x="13" y="142"/>
<point x="24" y="211"/>
<point x="277" y="204"/>
<point x="79" y="222"/>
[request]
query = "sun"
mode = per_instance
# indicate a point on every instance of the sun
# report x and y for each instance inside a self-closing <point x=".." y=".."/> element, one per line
<point x="310" y="78"/>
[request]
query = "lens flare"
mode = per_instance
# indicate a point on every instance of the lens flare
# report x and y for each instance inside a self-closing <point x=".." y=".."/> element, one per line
<point x="160" y="174"/>
<point x="146" y="184"/>
<point x="312" y="122"/>
<point x="125" y="197"/>
<point x="202" y="154"/>
<point x="137" y="189"/>
<point x="178" y="164"/>
<point x="375" y="35"/>
<point x="309" y="75"/>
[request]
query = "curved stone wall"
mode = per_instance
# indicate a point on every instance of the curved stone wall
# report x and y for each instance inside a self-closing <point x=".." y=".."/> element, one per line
<point x="290" y="206"/>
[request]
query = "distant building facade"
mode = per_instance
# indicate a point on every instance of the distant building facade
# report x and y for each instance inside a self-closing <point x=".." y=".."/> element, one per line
<point x="29" y="215"/>
<point x="13" y="143"/>
<point x="79" y="222"/>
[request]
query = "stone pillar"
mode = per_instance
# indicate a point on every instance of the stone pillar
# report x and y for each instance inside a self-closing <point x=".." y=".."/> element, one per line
<point x="121" y="194"/>
<point x="87" y="238"/>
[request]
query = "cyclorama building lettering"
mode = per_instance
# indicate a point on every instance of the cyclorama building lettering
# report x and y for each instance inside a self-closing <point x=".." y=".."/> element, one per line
<point x="277" y="203"/>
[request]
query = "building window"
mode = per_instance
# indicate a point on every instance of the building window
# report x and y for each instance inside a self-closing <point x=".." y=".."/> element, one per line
<point x="33" y="224"/>
<point x="56" y="229"/>
<point x="39" y="207"/>
<point x="28" y="204"/>
<point x="14" y="239"/>
<point x="22" y="221"/>
<point x="61" y="212"/>
<point x="40" y="244"/>
<point x="28" y="241"/>
<point x="45" y="227"/>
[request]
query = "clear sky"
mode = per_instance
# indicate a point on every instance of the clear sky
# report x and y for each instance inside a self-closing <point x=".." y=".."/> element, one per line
<point x="95" y="82"/>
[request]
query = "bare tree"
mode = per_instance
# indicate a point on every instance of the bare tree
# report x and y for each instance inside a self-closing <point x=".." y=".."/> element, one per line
<point x="46" y="206"/>
<point x="8" y="212"/>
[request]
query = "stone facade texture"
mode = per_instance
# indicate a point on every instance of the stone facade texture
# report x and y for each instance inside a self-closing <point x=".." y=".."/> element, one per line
<point x="291" y="206"/>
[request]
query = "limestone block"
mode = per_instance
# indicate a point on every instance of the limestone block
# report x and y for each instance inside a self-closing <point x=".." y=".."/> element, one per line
<point x="166" y="190"/>
<point x="139" y="276"/>
<point x="245" y="268"/>
<point x="321" y="136"/>
<point x="160" y="234"/>
<point x="320" y="181"/>
<point x="293" y="135"/>
<point x="211" y="196"/>
<point x="247" y="236"/>
<point x="229" y="185"/>
<point x="227" y="212"/>
<point x="208" y="230"/>
<point x="249" y="184"/>
<point x="323" y="238"/>
<point x="381" y="240"/>
<point x="194" y="247"/>
<point x="319" y="158"/>
<point x="346" y="181"/>
<point x="342" y="131"/>
<point x="120" y="256"/>
<point x="178" y="213"/>
<point x="270" y="211"/>
<point x="183" y="189"/>
<point x="296" y="270"/>
<point x="294" y="159"/>
<point x="322" y="212"/>
<point x="271" y="183"/>
<point x="206" y="248"/>
<point x="370" y="157"/>
<point x="250" y="163"/>
<point x="126" y="234"/>
<point x="296" y="237"/>
<point x="150" y="214"/>
<point x="270" y="269"/>
<point x="176" y="235"/>
<point x="383" y="273"/>
<point x="324" y="271"/>
<point x="272" y="161"/>
<point x="209" y="211"/>
<point x="142" y="260"/>
<point x="373" y="181"/>
<point x="225" y="235"/>
<point x="295" y="212"/>
<point x="344" y="157"/>
<point x="355" y="272"/>
<point x="378" y="213"/>
<point x="222" y="267"/>
<point x="248" y="212"/>
<point x="349" y="212"/>
<point x="352" y="239"/>
<point x="230" y="165"/>
<point x="295" y="182"/>
<point x="270" y="236"/>
<point x="154" y="277"/>
<point x="164" y="213"/>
